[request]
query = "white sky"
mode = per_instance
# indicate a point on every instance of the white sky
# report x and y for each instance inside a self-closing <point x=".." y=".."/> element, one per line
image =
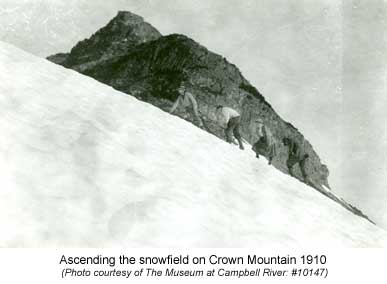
<point x="320" y="64"/>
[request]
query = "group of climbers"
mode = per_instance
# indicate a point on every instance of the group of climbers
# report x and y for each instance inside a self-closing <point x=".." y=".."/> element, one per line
<point x="229" y="119"/>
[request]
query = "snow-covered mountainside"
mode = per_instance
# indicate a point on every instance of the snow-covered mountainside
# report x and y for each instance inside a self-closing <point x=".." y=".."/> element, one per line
<point x="130" y="55"/>
<point x="84" y="165"/>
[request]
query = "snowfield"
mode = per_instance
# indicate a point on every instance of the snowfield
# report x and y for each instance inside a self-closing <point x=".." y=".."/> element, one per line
<point x="83" y="165"/>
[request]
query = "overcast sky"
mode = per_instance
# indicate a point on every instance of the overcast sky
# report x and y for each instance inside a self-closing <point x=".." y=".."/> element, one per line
<point x="321" y="65"/>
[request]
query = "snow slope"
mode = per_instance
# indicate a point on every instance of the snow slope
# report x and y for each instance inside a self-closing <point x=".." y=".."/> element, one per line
<point x="84" y="165"/>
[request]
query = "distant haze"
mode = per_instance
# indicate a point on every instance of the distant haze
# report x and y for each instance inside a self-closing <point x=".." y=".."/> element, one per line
<point x="320" y="64"/>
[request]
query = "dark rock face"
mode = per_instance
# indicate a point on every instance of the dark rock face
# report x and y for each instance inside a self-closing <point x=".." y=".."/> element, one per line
<point x="59" y="58"/>
<point x="116" y="38"/>
<point x="131" y="56"/>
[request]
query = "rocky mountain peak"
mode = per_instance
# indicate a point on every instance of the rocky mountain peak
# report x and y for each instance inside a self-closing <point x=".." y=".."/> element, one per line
<point x="123" y="32"/>
<point x="127" y="18"/>
<point x="133" y="57"/>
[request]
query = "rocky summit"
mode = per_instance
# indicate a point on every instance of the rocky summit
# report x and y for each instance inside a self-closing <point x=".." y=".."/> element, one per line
<point x="130" y="55"/>
<point x="116" y="38"/>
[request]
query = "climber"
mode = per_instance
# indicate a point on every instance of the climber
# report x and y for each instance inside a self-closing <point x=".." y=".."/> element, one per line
<point x="295" y="155"/>
<point x="187" y="101"/>
<point x="266" y="144"/>
<point x="230" y="120"/>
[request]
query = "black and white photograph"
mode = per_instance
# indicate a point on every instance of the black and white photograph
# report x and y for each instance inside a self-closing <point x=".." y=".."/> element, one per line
<point x="193" y="124"/>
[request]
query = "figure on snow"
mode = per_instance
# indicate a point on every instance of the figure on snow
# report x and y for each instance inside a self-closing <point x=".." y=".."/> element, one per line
<point x="230" y="120"/>
<point x="296" y="155"/>
<point x="188" y="102"/>
<point x="266" y="144"/>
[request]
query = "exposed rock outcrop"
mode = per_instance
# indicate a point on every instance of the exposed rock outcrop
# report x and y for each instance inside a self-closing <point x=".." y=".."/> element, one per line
<point x="116" y="38"/>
